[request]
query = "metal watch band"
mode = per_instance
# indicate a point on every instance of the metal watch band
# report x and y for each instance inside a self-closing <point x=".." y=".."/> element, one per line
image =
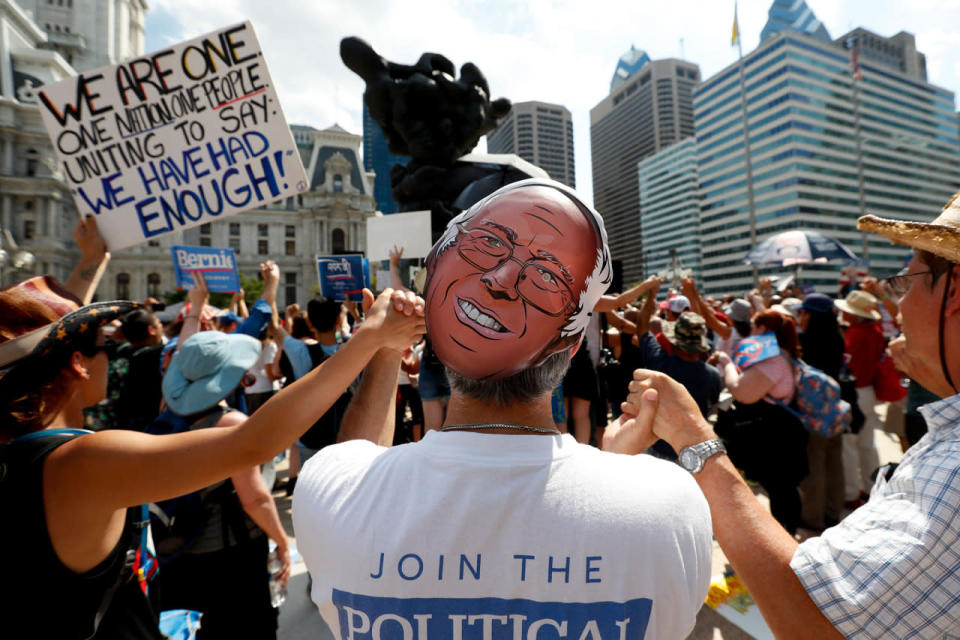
<point x="698" y="454"/>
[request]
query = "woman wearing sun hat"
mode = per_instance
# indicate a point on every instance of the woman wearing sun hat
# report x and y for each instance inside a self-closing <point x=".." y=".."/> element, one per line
<point x="70" y="499"/>
<point x="865" y="345"/>
<point x="222" y="573"/>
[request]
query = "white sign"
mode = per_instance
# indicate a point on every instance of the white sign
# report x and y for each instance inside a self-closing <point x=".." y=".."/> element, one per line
<point x="183" y="136"/>
<point x="411" y="231"/>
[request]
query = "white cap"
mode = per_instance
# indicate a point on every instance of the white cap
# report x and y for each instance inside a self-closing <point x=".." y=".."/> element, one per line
<point x="678" y="304"/>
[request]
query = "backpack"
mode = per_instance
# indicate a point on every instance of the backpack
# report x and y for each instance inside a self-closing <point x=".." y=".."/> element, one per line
<point x="325" y="430"/>
<point x="817" y="401"/>
<point x="178" y="523"/>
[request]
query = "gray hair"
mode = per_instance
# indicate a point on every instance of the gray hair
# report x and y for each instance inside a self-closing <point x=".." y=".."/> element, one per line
<point x="522" y="387"/>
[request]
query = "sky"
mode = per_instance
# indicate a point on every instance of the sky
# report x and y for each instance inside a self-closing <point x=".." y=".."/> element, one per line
<point x="559" y="51"/>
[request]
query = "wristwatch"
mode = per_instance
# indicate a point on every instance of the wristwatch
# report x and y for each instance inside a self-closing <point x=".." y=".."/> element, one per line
<point x="693" y="457"/>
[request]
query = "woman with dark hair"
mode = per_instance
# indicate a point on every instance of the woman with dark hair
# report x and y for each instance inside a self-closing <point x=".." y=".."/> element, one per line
<point x="823" y="348"/>
<point x="764" y="439"/>
<point x="71" y="499"/>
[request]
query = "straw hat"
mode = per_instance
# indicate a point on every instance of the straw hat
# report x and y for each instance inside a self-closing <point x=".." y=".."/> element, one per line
<point x="859" y="303"/>
<point x="940" y="237"/>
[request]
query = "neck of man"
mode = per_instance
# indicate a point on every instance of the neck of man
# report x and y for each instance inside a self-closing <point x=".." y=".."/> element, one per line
<point x="327" y="338"/>
<point x="465" y="410"/>
<point x="686" y="355"/>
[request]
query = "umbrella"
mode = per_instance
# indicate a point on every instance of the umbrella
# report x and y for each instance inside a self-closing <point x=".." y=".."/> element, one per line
<point x="797" y="247"/>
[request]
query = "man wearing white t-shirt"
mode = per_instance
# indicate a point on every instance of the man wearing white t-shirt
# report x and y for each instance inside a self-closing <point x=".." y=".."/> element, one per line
<point x="497" y="526"/>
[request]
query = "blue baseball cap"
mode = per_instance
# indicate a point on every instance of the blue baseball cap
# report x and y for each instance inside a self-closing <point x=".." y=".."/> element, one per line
<point x="818" y="303"/>
<point x="208" y="367"/>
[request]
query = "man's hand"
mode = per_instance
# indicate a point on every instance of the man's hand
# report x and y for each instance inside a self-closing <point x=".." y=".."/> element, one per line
<point x="632" y="433"/>
<point x="199" y="296"/>
<point x="689" y="287"/>
<point x="88" y="239"/>
<point x="395" y="255"/>
<point x="677" y="417"/>
<point x="395" y="317"/>
<point x="270" y="273"/>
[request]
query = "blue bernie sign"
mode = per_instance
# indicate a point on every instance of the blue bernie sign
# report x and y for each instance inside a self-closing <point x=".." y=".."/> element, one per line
<point x="219" y="268"/>
<point x="343" y="277"/>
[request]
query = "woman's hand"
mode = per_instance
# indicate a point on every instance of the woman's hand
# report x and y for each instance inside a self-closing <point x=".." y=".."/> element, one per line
<point x="395" y="317"/>
<point x="283" y="555"/>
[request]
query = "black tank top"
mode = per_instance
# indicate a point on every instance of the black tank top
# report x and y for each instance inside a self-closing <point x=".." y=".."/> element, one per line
<point x="39" y="596"/>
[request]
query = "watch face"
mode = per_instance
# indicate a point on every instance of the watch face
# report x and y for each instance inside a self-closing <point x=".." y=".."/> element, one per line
<point x="689" y="460"/>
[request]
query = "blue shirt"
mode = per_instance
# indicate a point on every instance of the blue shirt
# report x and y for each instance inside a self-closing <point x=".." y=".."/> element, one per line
<point x="891" y="569"/>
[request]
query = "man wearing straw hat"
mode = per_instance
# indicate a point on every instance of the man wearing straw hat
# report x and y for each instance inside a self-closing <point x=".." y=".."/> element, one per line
<point x="891" y="569"/>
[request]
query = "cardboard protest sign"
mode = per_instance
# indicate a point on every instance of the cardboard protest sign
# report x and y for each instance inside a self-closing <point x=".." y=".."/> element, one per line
<point x="343" y="276"/>
<point x="219" y="268"/>
<point x="410" y="231"/>
<point x="177" y="138"/>
<point x="753" y="349"/>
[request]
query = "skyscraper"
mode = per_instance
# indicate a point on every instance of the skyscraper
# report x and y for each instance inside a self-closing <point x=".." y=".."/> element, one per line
<point x="650" y="110"/>
<point x="377" y="158"/>
<point x="540" y="133"/>
<point x="897" y="52"/>
<point x="793" y="16"/>
<point x="670" y="207"/>
<point x="825" y="146"/>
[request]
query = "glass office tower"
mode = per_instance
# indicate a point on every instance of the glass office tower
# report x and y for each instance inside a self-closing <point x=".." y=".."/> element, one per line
<point x="826" y="147"/>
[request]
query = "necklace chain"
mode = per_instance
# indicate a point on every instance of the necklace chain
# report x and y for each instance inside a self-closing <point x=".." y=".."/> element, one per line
<point x="517" y="427"/>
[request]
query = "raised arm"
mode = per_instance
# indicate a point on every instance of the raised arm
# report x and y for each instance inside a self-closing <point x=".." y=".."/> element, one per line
<point x="648" y="308"/>
<point x="93" y="260"/>
<point x="371" y="413"/>
<point x="621" y="324"/>
<point x="197" y="297"/>
<point x="689" y="287"/>
<point x="106" y="471"/>
<point x="395" y="281"/>
<point x="611" y="302"/>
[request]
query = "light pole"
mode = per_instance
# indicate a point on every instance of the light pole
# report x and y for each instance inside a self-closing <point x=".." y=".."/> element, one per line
<point x="12" y="256"/>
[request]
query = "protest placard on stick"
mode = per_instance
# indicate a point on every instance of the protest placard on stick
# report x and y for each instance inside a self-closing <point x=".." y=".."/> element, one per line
<point x="173" y="139"/>
<point x="343" y="277"/>
<point x="219" y="268"/>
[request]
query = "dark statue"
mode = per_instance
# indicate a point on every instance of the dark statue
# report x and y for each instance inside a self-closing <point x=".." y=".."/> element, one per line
<point x="428" y="114"/>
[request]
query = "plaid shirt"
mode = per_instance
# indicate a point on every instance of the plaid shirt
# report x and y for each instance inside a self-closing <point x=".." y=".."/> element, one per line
<point x="891" y="569"/>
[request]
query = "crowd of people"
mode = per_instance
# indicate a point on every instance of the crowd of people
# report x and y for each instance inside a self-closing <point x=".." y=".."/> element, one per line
<point x="137" y="456"/>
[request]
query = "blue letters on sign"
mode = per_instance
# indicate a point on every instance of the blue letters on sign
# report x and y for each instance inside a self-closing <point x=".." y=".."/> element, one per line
<point x="219" y="268"/>
<point x="343" y="276"/>
<point x="368" y="617"/>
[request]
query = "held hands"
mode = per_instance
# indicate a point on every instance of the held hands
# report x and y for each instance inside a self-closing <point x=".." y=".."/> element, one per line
<point x="689" y="287"/>
<point x="395" y="317"/>
<point x="88" y="239"/>
<point x="658" y="407"/>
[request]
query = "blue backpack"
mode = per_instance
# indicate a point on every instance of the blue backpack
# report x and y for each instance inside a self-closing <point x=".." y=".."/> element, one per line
<point x="817" y="402"/>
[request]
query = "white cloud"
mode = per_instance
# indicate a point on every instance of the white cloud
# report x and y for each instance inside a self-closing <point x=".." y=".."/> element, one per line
<point x="561" y="51"/>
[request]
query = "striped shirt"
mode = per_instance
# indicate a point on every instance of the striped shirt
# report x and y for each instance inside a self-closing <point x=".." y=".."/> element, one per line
<point x="891" y="569"/>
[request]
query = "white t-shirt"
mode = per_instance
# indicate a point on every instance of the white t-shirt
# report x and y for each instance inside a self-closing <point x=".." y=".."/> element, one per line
<point x="483" y="536"/>
<point x="263" y="382"/>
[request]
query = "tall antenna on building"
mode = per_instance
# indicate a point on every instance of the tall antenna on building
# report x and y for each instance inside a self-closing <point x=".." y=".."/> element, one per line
<point x="735" y="39"/>
<point x="853" y="44"/>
